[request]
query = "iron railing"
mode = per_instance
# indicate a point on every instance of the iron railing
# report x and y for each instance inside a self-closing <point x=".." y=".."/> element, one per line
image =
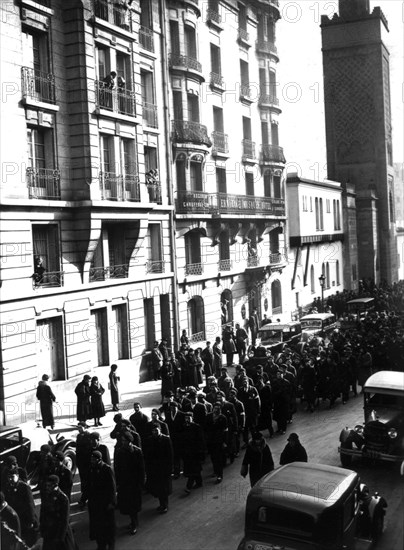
<point x="119" y="187"/>
<point x="146" y="38"/>
<point x="245" y="92"/>
<point x="185" y="130"/>
<point x="155" y="266"/>
<point x="216" y="80"/>
<point x="108" y="272"/>
<point x="220" y="142"/>
<point x="253" y="261"/>
<point x="178" y="60"/>
<point x="275" y="258"/>
<point x="43" y="183"/>
<point x="243" y="35"/>
<point x="48" y="279"/>
<point x="197" y="337"/>
<point x="194" y="269"/>
<point x="116" y="13"/>
<point x="154" y="190"/>
<point x="213" y="15"/>
<point x="38" y="85"/>
<point x="225" y="265"/>
<point x="268" y="99"/>
<point x="150" y="114"/>
<point x="266" y="46"/>
<point x="272" y="153"/>
<point x="119" y="100"/>
<point x="248" y="148"/>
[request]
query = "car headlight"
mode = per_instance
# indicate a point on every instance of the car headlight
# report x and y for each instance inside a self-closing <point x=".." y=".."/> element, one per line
<point x="359" y="429"/>
<point x="392" y="433"/>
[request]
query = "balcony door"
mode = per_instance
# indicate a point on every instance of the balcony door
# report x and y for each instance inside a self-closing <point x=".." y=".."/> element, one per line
<point x="165" y="315"/>
<point x="193" y="247"/>
<point x="190" y="42"/>
<point x="196" y="179"/>
<point x="120" y="349"/>
<point x="99" y="338"/>
<point x="49" y="348"/>
<point x="45" y="242"/>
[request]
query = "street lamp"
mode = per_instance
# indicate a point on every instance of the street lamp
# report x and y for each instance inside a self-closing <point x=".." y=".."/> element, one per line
<point x="322" y="283"/>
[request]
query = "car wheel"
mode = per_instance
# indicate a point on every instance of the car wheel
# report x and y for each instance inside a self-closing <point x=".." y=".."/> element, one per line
<point x="377" y="525"/>
<point x="70" y="460"/>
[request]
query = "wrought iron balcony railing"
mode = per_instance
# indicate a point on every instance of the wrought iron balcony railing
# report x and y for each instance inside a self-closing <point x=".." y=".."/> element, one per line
<point x="154" y="190"/>
<point x="213" y="15"/>
<point x="194" y="269"/>
<point x="48" y="279"/>
<point x="116" y="187"/>
<point x="186" y="61"/>
<point x="146" y="38"/>
<point x="246" y="92"/>
<point x="150" y="114"/>
<point x="266" y="46"/>
<point x="109" y="272"/>
<point x="194" y="132"/>
<point x="216" y="80"/>
<point x="243" y="35"/>
<point x="253" y="261"/>
<point x="220" y="143"/>
<point x="43" y="183"/>
<point x="113" y="12"/>
<point x="248" y="148"/>
<point x="225" y="265"/>
<point x="197" y="337"/>
<point x="268" y="99"/>
<point x="155" y="266"/>
<point x="118" y="100"/>
<point x="275" y="258"/>
<point x="272" y="153"/>
<point x="38" y="85"/>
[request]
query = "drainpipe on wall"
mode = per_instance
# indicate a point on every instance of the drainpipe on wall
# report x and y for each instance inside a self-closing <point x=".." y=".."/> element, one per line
<point x="167" y="137"/>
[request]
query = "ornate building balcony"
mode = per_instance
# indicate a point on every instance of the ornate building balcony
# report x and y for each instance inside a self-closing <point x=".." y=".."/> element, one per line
<point x="197" y="337"/>
<point x="116" y="187"/>
<point x="154" y="190"/>
<point x="253" y="260"/>
<point x="243" y="37"/>
<point x="275" y="258"/>
<point x="150" y="115"/>
<point x="246" y="94"/>
<point x="117" y="100"/>
<point x="220" y="144"/>
<point x="268" y="100"/>
<point x="217" y="82"/>
<point x="213" y="18"/>
<point x="114" y="13"/>
<point x="155" y="266"/>
<point x="187" y="131"/>
<point x="186" y="63"/>
<point x="194" y="269"/>
<point x="43" y="183"/>
<point x="37" y="85"/>
<point x="146" y="38"/>
<point x="248" y="148"/>
<point x="109" y="272"/>
<point x="201" y="202"/>
<point x="225" y="265"/>
<point x="266" y="47"/>
<point x="48" y="279"/>
<point x="272" y="153"/>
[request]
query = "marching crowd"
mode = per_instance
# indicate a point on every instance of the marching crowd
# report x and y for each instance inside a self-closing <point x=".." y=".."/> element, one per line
<point x="204" y="411"/>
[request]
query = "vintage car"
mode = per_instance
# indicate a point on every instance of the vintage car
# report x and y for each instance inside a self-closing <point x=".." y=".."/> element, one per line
<point x="356" y="310"/>
<point x="317" y="324"/>
<point x="27" y="449"/>
<point x="276" y="336"/>
<point x="381" y="436"/>
<point x="304" y="506"/>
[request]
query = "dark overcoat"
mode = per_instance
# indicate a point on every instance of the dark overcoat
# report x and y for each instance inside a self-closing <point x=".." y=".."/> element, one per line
<point x="130" y="476"/>
<point x="192" y="449"/>
<point x="97" y="405"/>
<point x="46" y="399"/>
<point x="113" y="386"/>
<point x="158" y="454"/>
<point x="83" y="401"/>
<point x="54" y="522"/>
<point x="21" y="500"/>
<point x="101" y="503"/>
<point x="259" y="461"/>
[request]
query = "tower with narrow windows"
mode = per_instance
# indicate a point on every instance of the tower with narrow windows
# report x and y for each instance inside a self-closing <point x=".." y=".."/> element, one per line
<point x="359" y="131"/>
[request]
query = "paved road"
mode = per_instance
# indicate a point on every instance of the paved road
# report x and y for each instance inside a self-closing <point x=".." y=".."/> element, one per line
<point x="212" y="517"/>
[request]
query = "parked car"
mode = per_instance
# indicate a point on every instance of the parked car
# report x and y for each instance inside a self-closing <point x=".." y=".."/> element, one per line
<point x="276" y="336"/>
<point x="303" y="505"/>
<point x="381" y="436"/>
<point x="356" y="310"/>
<point x="27" y="449"/>
<point x="317" y="324"/>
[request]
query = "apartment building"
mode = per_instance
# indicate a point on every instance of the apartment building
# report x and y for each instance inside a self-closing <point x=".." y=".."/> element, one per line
<point x="86" y="215"/>
<point x="316" y="236"/>
<point x="228" y="164"/>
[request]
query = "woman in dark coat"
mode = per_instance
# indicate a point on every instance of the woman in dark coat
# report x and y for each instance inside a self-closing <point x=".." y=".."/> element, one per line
<point x="192" y="369"/>
<point x="97" y="405"/>
<point x="54" y="518"/>
<point x="258" y="459"/>
<point x="130" y="477"/>
<point x="82" y="391"/>
<point x="158" y="455"/>
<point x="101" y="502"/>
<point x="309" y="381"/>
<point x="113" y="386"/>
<point x="46" y="399"/>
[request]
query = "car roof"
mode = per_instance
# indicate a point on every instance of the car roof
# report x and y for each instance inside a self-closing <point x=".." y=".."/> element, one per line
<point x="5" y="429"/>
<point x="361" y="301"/>
<point x="316" y="316"/>
<point x="386" y="381"/>
<point x="301" y="486"/>
<point x="278" y="326"/>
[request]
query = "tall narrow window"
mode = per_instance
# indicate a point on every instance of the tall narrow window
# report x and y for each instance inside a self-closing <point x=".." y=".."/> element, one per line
<point x="337" y="275"/>
<point x="317" y="214"/>
<point x="154" y="249"/>
<point x="178" y="108"/>
<point x="218" y="119"/>
<point x="150" y="329"/>
<point x="195" y="172"/>
<point x="190" y="42"/>
<point x="274" y="134"/>
<point x="267" y="184"/>
<point x="193" y="107"/>
<point x="215" y="59"/>
<point x="196" y="315"/>
<point x="321" y="214"/>
<point x="312" y="281"/>
<point x="277" y="187"/>
<point x="249" y="183"/>
<point x="242" y="16"/>
<point x="246" y="128"/>
<point x="174" y="38"/>
<point x="244" y="73"/>
<point x="46" y="257"/>
<point x="181" y="175"/>
<point x="221" y="183"/>
<point x="264" y="132"/>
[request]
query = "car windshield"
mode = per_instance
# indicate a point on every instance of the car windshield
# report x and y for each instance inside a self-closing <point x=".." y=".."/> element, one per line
<point x="311" y="323"/>
<point x="383" y="400"/>
<point x="271" y="336"/>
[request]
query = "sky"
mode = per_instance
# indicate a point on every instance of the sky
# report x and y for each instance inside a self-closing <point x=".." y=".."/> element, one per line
<point x="300" y="77"/>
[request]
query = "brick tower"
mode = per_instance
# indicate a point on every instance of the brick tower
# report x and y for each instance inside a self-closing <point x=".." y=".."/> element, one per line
<point x="358" y="130"/>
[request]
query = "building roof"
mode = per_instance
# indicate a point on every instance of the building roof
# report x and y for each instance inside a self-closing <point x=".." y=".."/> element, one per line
<point x="294" y="178"/>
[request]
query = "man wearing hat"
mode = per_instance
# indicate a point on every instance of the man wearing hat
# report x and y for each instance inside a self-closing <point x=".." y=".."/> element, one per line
<point x="19" y="496"/>
<point x="156" y="419"/>
<point x="192" y="451"/>
<point x="139" y="420"/>
<point x="224" y="382"/>
<point x="257" y="459"/>
<point x="97" y="446"/>
<point x="82" y="391"/>
<point x="239" y="408"/>
<point x="158" y="455"/>
<point x="293" y="451"/>
<point x="10" y="466"/>
<point x="197" y="409"/>
<point x="46" y="398"/>
<point x="175" y="421"/>
<point x="54" y="518"/>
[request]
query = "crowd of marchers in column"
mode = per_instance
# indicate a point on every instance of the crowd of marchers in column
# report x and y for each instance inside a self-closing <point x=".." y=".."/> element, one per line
<point x="204" y="411"/>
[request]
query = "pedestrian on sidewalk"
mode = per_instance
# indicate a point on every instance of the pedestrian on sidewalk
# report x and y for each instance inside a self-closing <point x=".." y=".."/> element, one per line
<point x="113" y="387"/>
<point x="158" y="454"/>
<point x="46" y="400"/>
<point x="97" y="405"/>
<point x="82" y="391"/>
<point x="257" y="459"/>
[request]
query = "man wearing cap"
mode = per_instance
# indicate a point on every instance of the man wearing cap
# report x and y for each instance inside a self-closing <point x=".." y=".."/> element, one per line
<point x="97" y="446"/>
<point x="10" y="466"/>
<point x="101" y="503"/>
<point x="156" y="419"/>
<point x="19" y="496"/>
<point x="207" y="358"/>
<point x="248" y="395"/>
<point x="239" y="408"/>
<point x="197" y="409"/>
<point x="54" y="518"/>
<point x="192" y="451"/>
<point x="83" y="450"/>
<point x="46" y="398"/>
<point x="293" y="451"/>
<point x="139" y="420"/>
<point x="64" y="474"/>
<point x="175" y="421"/>
<point x="241" y="342"/>
<point x="257" y="459"/>
<point x="229" y="412"/>
<point x="216" y="439"/>
<point x="82" y="391"/>
<point x="158" y="455"/>
<point x="217" y="356"/>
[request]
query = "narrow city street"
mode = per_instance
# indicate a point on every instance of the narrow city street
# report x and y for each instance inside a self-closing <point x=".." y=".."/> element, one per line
<point x="212" y="518"/>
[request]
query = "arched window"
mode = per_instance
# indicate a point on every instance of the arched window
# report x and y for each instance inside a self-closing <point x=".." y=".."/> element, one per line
<point x="327" y="276"/>
<point x="226" y="306"/>
<point x="196" y="316"/>
<point x="276" y="296"/>
<point x="337" y="272"/>
<point x="312" y="282"/>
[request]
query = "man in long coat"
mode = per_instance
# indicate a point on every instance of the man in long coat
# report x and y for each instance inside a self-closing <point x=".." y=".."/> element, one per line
<point x="258" y="459"/>
<point x="46" y="398"/>
<point x="101" y="502"/>
<point x="139" y="421"/>
<point x="130" y="476"/>
<point x="82" y="391"/>
<point x="281" y="392"/>
<point x="158" y="454"/>
<point x="207" y="358"/>
<point x="54" y="518"/>
<point x="192" y="452"/>
<point x="19" y="496"/>
<point x="175" y="420"/>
